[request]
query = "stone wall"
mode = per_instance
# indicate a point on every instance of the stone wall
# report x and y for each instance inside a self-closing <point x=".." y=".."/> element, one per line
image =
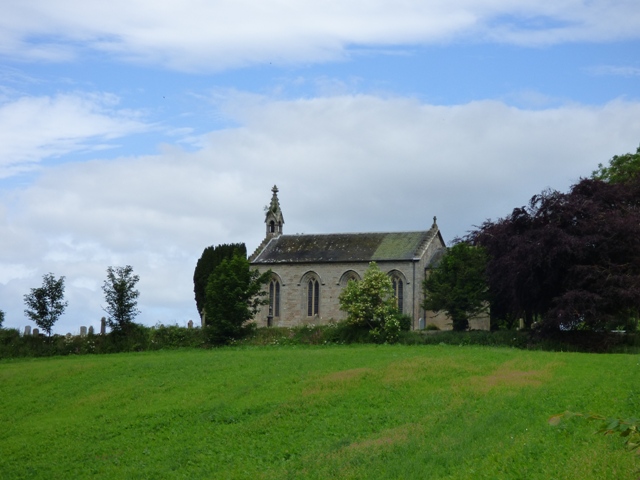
<point x="333" y="279"/>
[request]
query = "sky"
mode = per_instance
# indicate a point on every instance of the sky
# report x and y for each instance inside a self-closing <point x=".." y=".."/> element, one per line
<point x="138" y="133"/>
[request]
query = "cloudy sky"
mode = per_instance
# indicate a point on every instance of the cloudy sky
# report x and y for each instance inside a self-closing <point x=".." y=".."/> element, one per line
<point x="138" y="132"/>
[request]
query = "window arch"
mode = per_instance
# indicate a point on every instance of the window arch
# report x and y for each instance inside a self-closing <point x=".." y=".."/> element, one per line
<point x="348" y="275"/>
<point x="313" y="297"/>
<point x="310" y="283"/>
<point x="398" y="281"/>
<point x="398" y="292"/>
<point x="274" y="298"/>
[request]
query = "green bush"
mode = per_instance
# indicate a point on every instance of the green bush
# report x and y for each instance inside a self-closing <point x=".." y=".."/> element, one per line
<point x="172" y="336"/>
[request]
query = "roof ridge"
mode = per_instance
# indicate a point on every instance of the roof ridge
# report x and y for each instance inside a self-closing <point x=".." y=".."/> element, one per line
<point x="354" y="233"/>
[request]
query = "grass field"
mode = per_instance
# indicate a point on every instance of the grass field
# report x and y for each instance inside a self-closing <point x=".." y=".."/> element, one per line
<point x="428" y="412"/>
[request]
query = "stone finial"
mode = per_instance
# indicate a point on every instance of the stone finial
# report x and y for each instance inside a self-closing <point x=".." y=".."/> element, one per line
<point x="434" y="222"/>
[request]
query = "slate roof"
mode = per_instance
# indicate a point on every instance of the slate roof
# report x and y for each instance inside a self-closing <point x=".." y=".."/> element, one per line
<point x="345" y="247"/>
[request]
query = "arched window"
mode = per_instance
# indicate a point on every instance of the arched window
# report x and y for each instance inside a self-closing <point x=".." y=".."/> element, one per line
<point x="347" y="276"/>
<point x="274" y="298"/>
<point x="272" y="226"/>
<point x="398" y="292"/>
<point x="313" y="297"/>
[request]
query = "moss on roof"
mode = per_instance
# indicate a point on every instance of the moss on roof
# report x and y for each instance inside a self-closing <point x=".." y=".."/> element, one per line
<point x="344" y="247"/>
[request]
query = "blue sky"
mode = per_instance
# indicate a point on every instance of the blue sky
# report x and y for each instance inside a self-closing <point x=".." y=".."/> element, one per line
<point x="141" y="132"/>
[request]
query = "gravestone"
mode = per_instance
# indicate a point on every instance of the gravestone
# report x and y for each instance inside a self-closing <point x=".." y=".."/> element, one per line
<point x="91" y="331"/>
<point x="103" y="326"/>
<point x="190" y="324"/>
<point x="27" y="330"/>
<point x="35" y="332"/>
<point x="83" y="331"/>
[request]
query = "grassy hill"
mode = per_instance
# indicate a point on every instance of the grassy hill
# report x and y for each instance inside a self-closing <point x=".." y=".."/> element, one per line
<point x="316" y="412"/>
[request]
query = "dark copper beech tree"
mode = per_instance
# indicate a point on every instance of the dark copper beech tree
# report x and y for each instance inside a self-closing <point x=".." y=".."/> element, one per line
<point x="568" y="260"/>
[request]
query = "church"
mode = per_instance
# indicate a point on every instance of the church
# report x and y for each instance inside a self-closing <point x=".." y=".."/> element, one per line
<point x="310" y="271"/>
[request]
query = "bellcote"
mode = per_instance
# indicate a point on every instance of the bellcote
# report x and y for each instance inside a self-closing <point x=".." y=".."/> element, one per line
<point x="273" y="218"/>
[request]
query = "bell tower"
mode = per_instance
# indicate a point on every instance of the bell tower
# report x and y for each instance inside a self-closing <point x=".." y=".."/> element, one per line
<point x="274" y="219"/>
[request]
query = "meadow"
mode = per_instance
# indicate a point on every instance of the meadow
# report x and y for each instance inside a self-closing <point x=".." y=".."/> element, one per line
<point x="359" y="411"/>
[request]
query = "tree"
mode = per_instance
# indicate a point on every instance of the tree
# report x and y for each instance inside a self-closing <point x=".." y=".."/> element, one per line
<point x="568" y="260"/>
<point x="45" y="304"/>
<point x="121" y="297"/>
<point x="370" y="303"/>
<point x="458" y="285"/>
<point x="212" y="257"/>
<point x="622" y="168"/>
<point x="233" y="296"/>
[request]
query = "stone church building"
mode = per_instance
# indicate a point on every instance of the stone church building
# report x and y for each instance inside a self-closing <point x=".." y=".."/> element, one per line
<point x="310" y="271"/>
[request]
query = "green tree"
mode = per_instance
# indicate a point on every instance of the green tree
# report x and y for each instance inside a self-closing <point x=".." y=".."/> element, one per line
<point x="370" y="303"/>
<point x="212" y="257"/>
<point x="621" y="169"/>
<point x="46" y="304"/>
<point x="233" y="296"/>
<point x="121" y="296"/>
<point x="458" y="285"/>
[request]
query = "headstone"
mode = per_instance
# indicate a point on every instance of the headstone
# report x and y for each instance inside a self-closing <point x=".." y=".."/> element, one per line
<point x="421" y="323"/>
<point x="91" y="330"/>
<point x="103" y="326"/>
<point x="190" y="324"/>
<point x="27" y="330"/>
<point x="83" y="331"/>
<point x="35" y="332"/>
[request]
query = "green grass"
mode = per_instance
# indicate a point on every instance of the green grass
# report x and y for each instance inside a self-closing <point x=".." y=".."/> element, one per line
<point x="437" y="412"/>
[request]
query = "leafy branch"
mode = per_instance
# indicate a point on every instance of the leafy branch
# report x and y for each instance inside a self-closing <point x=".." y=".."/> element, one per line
<point x="628" y="428"/>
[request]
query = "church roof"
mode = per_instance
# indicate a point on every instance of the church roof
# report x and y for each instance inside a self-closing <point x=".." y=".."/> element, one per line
<point x="345" y="247"/>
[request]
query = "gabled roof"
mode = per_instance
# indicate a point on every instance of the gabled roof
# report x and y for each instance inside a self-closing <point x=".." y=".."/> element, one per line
<point x="345" y="247"/>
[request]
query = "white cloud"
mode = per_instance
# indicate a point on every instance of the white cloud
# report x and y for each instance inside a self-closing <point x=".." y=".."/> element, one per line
<point x="195" y="35"/>
<point x="345" y="163"/>
<point x="36" y="128"/>
<point x="621" y="71"/>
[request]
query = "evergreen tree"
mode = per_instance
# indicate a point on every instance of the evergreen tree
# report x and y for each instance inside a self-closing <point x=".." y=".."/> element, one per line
<point x="212" y="257"/>
<point x="233" y="296"/>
